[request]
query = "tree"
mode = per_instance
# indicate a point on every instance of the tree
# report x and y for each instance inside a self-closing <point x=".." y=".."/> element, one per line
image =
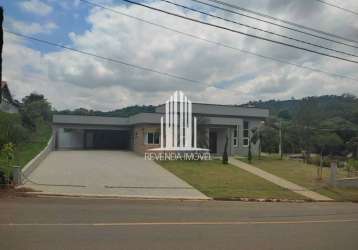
<point x="326" y="142"/>
<point x="307" y="117"/>
<point x="11" y="129"/>
<point x="269" y="139"/>
<point x="225" y="154"/>
<point x="256" y="137"/>
<point x="353" y="146"/>
<point x="8" y="150"/>
<point x="249" y="153"/>
<point x="1" y="43"/>
<point x="284" y="114"/>
<point x="35" y="109"/>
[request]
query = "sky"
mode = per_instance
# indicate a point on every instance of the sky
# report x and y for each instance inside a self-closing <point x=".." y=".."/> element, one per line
<point x="222" y="75"/>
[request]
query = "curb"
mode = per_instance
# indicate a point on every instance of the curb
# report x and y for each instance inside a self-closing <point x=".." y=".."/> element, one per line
<point x="123" y="197"/>
<point x="264" y="200"/>
<point x="139" y="197"/>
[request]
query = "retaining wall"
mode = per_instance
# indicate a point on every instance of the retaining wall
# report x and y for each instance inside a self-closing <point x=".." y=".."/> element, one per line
<point x="35" y="162"/>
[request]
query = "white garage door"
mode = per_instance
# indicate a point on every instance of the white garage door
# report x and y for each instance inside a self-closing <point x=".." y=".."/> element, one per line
<point x="70" y="138"/>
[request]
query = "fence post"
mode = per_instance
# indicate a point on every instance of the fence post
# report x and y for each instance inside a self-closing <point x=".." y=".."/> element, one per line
<point x="17" y="175"/>
<point x="333" y="177"/>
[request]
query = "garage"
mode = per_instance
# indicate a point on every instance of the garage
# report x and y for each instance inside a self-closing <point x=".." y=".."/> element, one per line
<point x="73" y="132"/>
<point x="107" y="139"/>
<point x="73" y="138"/>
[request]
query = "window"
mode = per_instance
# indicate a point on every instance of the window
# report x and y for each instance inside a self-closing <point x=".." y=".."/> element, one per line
<point x="152" y="138"/>
<point x="235" y="136"/>
<point x="245" y="140"/>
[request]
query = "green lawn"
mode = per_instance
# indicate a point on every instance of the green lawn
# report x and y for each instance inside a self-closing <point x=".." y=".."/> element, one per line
<point x="306" y="175"/>
<point x="225" y="181"/>
<point x="24" y="152"/>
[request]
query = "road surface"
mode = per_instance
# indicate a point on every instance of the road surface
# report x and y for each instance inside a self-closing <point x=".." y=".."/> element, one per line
<point x="75" y="223"/>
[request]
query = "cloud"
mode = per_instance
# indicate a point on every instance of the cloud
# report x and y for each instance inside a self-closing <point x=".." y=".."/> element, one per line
<point x="31" y="28"/>
<point x="36" y="7"/>
<point x="226" y="76"/>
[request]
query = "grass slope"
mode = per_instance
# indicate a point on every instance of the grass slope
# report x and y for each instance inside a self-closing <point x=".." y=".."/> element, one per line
<point x="26" y="151"/>
<point x="225" y="181"/>
<point x="306" y="175"/>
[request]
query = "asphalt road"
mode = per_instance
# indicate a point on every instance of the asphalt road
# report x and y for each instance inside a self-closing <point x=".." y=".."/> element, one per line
<point x="69" y="223"/>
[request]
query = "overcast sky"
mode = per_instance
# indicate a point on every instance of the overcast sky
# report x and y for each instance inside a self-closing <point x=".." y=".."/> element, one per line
<point x="225" y="76"/>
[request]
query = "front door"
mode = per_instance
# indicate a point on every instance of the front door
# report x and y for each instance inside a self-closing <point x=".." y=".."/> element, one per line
<point x="213" y="139"/>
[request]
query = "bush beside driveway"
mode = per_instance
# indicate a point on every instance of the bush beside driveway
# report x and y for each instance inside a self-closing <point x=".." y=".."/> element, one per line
<point x="226" y="181"/>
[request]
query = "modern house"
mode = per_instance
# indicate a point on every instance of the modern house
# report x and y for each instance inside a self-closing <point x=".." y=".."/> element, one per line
<point x="141" y="132"/>
<point x="7" y="104"/>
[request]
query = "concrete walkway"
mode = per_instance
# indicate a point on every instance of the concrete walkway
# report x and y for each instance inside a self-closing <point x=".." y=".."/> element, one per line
<point x="107" y="174"/>
<point x="279" y="181"/>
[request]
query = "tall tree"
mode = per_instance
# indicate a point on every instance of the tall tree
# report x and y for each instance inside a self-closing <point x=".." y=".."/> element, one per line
<point x="325" y="143"/>
<point x="35" y="108"/>
<point x="1" y="45"/>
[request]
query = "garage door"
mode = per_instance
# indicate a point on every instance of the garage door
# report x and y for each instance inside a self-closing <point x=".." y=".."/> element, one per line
<point x="93" y="139"/>
<point x="107" y="139"/>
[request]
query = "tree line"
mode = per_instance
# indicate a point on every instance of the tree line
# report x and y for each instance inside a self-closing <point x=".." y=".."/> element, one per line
<point x="326" y="126"/>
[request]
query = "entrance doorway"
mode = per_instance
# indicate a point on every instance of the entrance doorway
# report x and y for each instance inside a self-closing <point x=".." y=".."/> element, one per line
<point x="213" y="139"/>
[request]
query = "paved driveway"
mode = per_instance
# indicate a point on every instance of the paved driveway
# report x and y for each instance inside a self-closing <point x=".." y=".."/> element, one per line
<point x="112" y="173"/>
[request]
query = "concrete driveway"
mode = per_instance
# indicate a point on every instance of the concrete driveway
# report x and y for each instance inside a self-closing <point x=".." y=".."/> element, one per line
<point x="107" y="173"/>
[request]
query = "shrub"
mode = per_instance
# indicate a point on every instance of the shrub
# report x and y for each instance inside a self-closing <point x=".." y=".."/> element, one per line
<point x="353" y="164"/>
<point x="11" y="129"/>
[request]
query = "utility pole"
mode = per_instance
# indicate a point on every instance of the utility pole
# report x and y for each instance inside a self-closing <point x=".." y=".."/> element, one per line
<point x="280" y="141"/>
<point x="1" y="45"/>
<point x="259" y="135"/>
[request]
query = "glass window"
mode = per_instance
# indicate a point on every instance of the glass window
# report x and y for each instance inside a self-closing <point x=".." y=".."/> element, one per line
<point x="156" y="137"/>
<point x="152" y="138"/>
<point x="235" y="136"/>
<point x="246" y="125"/>
<point x="246" y="134"/>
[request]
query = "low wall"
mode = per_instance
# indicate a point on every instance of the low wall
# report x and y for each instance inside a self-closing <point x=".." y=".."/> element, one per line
<point x="33" y="164"/>
<point x="348" y="182"/>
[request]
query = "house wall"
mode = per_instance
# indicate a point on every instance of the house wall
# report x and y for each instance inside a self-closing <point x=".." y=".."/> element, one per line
<point x="139" y="131"/>
<point x="241" y="149"/>
<point x="138" y="136"/>
<point x="225" y="126"/>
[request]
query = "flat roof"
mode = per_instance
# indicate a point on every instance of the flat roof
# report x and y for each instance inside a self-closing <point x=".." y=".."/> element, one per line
<point x="223" y="110"/>
<point x="208" y="110"/>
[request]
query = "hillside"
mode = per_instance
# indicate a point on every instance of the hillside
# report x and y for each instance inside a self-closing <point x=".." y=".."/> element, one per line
<point x="124" y="112"/>
<point x="323" y="110"/>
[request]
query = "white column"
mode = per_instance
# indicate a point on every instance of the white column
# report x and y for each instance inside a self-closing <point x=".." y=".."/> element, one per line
<point x="195" y="141"/>
<point x="175" y="119"/>
<point x="171" y="122"/>
<point x="161" y="132"/>
<point x="190" y="135"/>
<point x="167" y="124"/>
<point x="186" y="120"/>
<point x="181" y="121"/>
